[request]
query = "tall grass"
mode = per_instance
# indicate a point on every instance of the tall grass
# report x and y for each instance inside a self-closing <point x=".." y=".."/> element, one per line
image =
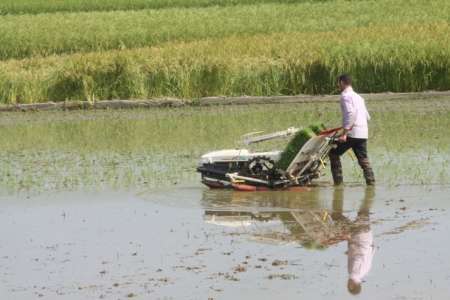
<point x="46" y="6"/>
<point x="265" y="49"/>
<point x="45" y="34"/>
<point x="383" y="58"/>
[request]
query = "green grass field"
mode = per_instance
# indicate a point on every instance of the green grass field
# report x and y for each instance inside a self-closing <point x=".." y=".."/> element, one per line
<point x="88" y="50"/>
<point x="12" y="7"/>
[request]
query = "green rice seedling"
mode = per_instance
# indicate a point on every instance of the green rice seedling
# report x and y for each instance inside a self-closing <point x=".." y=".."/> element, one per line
<point x="317" y="127"/>
<point x="293" y="147"/>
<point x="147" y="148"/>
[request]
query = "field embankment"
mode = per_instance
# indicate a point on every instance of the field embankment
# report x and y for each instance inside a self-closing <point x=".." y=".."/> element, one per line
<point x="215" y="101"/>
<point x="259" y="50"/>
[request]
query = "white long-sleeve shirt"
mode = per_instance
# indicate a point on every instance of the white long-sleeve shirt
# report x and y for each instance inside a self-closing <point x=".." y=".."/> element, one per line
<point x="354" y="114"/>
<point x="360" y="255"/>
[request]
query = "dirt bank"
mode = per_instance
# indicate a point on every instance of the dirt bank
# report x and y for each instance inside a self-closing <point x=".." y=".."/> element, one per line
<point x="210" y="101"/>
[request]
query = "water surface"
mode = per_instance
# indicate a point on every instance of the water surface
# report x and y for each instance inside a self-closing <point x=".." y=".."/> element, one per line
<point x="107" y="205"/>
<point x="193" y="243"/>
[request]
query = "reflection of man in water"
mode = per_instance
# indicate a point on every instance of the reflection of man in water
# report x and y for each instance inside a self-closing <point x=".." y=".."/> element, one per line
<point x="360" y="240"/>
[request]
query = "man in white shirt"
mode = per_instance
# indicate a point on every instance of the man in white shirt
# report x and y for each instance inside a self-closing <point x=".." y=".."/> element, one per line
<point x="355" y="132"/>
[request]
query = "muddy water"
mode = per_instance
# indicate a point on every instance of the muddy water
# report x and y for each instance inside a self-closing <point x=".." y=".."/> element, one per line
<point x="192" y="243"/>
<point x="107" y="205"/>
<point x="100" y="150"/>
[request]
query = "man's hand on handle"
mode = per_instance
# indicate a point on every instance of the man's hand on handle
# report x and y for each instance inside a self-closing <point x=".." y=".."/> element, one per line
<point x="343" y="138"/>
<point x="343" y="135"/>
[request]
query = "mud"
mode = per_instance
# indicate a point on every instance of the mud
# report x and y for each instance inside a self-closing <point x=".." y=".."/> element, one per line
<point x="192" y="243"/>
<point x="213" y="101"/>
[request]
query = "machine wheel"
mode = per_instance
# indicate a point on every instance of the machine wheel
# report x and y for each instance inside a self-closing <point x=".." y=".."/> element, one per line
<point x="261" y="167"/>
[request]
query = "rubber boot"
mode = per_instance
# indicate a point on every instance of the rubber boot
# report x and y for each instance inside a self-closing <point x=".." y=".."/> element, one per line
<point x="336" y="169"/>
<point x="367" y="171"/>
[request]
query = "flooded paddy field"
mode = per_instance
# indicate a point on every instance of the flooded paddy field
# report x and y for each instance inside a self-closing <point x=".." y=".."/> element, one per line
<point x="191" y="243"/>
<point x="107" y="205"/>
<point x="51" y="151"/>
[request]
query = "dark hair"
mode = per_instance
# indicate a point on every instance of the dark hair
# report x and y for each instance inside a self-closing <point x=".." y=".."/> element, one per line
<point x="345" y="78"/>
<point x="354" y="289"/>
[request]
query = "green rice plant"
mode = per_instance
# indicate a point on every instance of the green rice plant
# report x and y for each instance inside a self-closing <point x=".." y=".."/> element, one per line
<point x="293" y="147"/>
<point x="397" y="58"/>
<point x="148" y="148"/>
<point x="317" y="128"/>
<point x="46" y="6"/>
<point x="23" y="36"/>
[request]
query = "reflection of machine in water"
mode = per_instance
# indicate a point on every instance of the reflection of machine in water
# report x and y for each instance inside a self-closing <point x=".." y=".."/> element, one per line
<point x="275" y="217"/>
<point x="312" y="229"/>
<point x="302" y="218"/>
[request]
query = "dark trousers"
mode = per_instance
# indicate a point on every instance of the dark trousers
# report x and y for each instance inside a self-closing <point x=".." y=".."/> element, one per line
<point x="359" y="147"/>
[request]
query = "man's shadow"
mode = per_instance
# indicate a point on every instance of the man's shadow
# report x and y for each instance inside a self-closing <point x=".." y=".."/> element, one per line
<point x="359" y="237"/>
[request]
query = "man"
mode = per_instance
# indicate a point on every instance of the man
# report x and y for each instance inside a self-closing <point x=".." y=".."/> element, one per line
<point x="355" y="132"/>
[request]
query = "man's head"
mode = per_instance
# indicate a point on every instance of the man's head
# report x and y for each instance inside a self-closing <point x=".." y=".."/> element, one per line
<point x="353" y="287"/>
<point x="344" y="81"/>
